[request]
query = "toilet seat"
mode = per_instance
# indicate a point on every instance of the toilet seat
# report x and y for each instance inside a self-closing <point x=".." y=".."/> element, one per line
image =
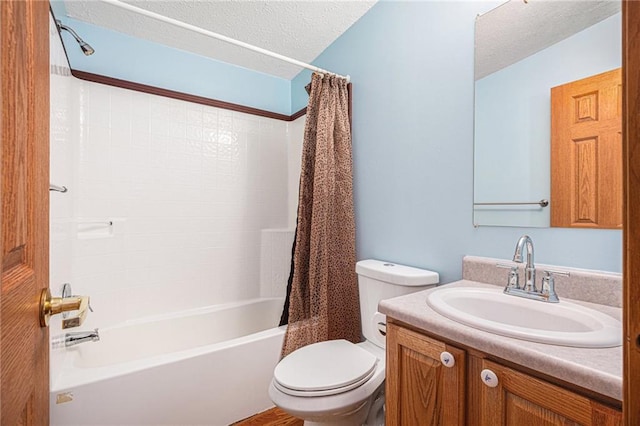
<point x="325" y="368"/>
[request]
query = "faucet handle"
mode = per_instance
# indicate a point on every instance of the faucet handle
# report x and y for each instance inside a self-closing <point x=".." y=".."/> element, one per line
<point x="513" y="281"/>
<point x="549" y="286"/>
<point x="551" y="272"/>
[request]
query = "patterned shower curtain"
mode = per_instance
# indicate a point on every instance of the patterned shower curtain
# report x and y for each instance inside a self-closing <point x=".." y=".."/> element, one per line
<point x="323" y="299"/>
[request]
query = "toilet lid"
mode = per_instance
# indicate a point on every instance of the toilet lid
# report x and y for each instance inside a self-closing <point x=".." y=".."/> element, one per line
<point x="325" y="367"/>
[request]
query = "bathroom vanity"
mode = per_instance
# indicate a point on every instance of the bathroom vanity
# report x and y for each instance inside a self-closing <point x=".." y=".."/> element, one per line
<point x="442" y="372"/>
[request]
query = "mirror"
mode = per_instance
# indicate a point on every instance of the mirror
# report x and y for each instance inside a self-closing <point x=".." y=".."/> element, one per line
<point x="523" y="49"/>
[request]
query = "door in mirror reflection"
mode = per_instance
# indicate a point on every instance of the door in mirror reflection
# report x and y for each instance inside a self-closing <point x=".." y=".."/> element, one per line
<point x="522" y="51"/>
<point x="586" y="152"/>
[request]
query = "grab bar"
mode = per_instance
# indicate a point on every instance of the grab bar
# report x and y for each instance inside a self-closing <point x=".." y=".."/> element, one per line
<point x="541" y="203"/>
<point x="57" y="188"/>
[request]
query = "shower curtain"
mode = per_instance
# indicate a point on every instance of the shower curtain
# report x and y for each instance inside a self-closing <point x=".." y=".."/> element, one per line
<point x="322" y="294"/>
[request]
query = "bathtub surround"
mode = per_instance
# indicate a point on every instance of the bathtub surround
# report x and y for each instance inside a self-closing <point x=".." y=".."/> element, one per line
<point x="189" y="189"/>
<point x="199" y="202"/>
<point x="323" y="296"/>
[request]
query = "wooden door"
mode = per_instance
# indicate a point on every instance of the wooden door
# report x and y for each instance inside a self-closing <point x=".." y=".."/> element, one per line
<point x="586" y="152"/>
<point x="24" y="230"/>
<point x="522" y="400"/>
<point x="420" y="390"/>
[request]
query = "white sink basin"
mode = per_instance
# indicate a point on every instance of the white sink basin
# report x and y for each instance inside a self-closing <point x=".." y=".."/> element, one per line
<point x="564" y="323"/>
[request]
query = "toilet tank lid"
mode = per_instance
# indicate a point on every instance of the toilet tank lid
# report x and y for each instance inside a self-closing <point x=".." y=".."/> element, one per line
<point x="396" y="274"/>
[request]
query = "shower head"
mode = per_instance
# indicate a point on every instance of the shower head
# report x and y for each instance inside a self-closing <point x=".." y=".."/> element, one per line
<point x="86" y="47"/>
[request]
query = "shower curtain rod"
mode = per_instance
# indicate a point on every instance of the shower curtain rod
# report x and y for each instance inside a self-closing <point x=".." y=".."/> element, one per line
<point x="224" y="38"/>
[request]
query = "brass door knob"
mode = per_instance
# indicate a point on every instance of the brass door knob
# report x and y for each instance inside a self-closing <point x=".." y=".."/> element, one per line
<point x="55" y="305"/>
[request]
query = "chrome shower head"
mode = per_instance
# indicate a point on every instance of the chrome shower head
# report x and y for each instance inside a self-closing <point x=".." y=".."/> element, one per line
<point x="86" y="47"/>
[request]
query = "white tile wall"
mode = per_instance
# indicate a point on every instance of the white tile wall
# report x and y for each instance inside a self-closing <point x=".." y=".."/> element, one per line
<point x="188" y="188"/>
<point x="187" y="212"/>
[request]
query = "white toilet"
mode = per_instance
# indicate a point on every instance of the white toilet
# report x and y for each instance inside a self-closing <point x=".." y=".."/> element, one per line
<point x="340" y="383"/>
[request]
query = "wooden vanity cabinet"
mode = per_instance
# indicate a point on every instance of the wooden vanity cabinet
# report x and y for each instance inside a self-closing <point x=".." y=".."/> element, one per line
<point x="421" y="390"/>
<point x="523" y="400"/>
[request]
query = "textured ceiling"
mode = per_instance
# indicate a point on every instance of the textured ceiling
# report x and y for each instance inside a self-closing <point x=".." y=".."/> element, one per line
<point x="299" y="29"/>
<point x="516" y="29"/>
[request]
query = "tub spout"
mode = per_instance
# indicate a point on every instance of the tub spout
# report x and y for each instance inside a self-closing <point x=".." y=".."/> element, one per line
<point x="75" y="338"/>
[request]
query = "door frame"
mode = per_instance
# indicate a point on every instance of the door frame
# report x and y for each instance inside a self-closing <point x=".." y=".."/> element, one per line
<point x="631" y="209"/>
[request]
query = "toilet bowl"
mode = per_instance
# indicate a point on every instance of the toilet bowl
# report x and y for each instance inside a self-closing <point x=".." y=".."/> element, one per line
<point x="340" y="383"/>
<point x="342" y="398"/>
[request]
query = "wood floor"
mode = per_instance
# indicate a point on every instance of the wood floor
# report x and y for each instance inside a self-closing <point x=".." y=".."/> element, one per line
<point x="272" y="417"/>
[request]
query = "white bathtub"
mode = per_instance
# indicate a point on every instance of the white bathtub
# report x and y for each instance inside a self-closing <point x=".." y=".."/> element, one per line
<point x="210" y="366"/>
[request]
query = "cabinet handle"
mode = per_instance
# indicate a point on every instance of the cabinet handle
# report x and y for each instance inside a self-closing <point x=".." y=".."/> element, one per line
<point x="447" y="359"/>
<point x="489" y="378"/>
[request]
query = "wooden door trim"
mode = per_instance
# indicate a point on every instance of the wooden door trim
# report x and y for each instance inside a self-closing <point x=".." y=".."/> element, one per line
<point x="631" y="222"/>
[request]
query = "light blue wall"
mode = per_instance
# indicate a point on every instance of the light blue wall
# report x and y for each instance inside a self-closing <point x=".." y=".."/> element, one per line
<point x="411" y="65"/>
<point x="513" y="120"/>
<point x="121" y="56"/>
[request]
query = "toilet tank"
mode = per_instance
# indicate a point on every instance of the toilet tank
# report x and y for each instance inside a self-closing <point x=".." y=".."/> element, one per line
<point x="378" y="280"/>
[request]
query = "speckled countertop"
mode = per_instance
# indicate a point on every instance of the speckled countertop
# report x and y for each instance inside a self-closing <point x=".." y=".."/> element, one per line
<point x="599" y="370"/>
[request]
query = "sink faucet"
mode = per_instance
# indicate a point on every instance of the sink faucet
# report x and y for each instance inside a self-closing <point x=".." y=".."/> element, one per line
<point x="75" y="338"/>
<point x="529" y="290"/>
<point x="530" y="269"/>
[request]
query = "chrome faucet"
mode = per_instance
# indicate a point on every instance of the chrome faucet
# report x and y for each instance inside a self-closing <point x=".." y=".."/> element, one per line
<point x="529" y="290"/>
<point x="530" y="269"/>
<point x="75" y="338"/>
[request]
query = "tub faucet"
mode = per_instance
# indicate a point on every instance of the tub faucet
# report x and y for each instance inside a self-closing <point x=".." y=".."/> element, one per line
<point x="75" y="338"/>
<point x="530" y="269"/>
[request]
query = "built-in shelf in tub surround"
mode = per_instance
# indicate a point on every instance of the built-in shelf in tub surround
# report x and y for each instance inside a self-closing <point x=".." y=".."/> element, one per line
<point x="597" y="370"/>
<point x="95" y="228"/>
<point x="603" y="288"/>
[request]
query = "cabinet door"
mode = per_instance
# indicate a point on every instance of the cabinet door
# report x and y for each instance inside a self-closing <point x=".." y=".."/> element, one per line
<point x="420" y="389"/>
<point x="522" y="400"/>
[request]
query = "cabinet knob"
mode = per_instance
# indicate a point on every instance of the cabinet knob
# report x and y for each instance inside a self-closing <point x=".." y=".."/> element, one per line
<point x="489" y="378"/>
<point x="447" y="359"/>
